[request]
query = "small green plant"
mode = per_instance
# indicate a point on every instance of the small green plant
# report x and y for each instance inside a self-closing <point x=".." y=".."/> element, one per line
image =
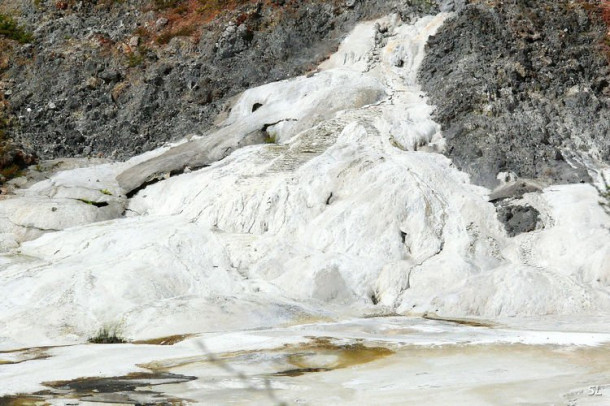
<point x="86" y="201"/>
<point x="92" y="203"/>
<point x="134" y="59"/>
<point x="106" y="192"/>
<point x="10" y="29"/>
<point x="108" y="334"/>
<point x="270" y="139"/>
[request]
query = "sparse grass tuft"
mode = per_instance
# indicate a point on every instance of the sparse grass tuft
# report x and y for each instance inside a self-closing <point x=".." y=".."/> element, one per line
<point x="134" y="59"/>
<point x="108" y="335"/>
<point x="270" y="139"/>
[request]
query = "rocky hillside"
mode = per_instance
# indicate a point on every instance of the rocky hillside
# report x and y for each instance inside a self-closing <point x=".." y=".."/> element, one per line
<point x="523" y="88"/>
<point x="115" y="78"/>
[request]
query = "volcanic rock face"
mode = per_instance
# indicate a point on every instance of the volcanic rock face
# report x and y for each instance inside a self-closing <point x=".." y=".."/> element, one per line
<point x="522" y="86"/>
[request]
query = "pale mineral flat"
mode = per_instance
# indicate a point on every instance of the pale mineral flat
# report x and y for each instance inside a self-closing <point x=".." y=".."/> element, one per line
<point x="374" y="361"/>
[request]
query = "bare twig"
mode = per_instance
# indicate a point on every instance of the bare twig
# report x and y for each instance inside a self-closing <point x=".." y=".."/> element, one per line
<point x="242" y="377"/>
<point x="604" y="194"/>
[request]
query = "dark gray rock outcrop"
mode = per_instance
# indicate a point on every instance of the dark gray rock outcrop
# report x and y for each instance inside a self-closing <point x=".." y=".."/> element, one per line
<point x="522" y="86"/>
<point x="518" y="219"/>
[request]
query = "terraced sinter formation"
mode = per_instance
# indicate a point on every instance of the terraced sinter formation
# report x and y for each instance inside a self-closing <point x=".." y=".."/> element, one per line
<point x="395" y="202"/>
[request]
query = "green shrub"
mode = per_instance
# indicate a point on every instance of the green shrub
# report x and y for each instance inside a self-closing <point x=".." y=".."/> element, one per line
<point x="10" y="29"/>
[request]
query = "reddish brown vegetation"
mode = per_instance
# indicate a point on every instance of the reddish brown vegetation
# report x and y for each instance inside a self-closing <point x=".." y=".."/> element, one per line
<point x="186" y="18"/>
<point x="183" y="21"/>
<point x="605" y="7"/>
<point x="602" y="9"/>
<point x="62" y="5"/>
<point x="605" y="12"/>
<point x="12" y="159"/>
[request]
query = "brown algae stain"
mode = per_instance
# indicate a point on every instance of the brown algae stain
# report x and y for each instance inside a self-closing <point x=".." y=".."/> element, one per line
<point x="300" y="371"/>
<point x="129" y="389"/>
<point x="26" y="350"/>
<point x="463" y="322"/>
<point x="322" y="354"/>
<point x="23" y="355"/>
<point x="169" y="340"/>
<point x="22" y="400"/>
<point x="319" y="354"/>
<point x="128" y="382"/>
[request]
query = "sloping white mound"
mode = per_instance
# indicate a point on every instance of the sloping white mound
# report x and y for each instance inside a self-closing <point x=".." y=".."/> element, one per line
<point x="345" y="210"/>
